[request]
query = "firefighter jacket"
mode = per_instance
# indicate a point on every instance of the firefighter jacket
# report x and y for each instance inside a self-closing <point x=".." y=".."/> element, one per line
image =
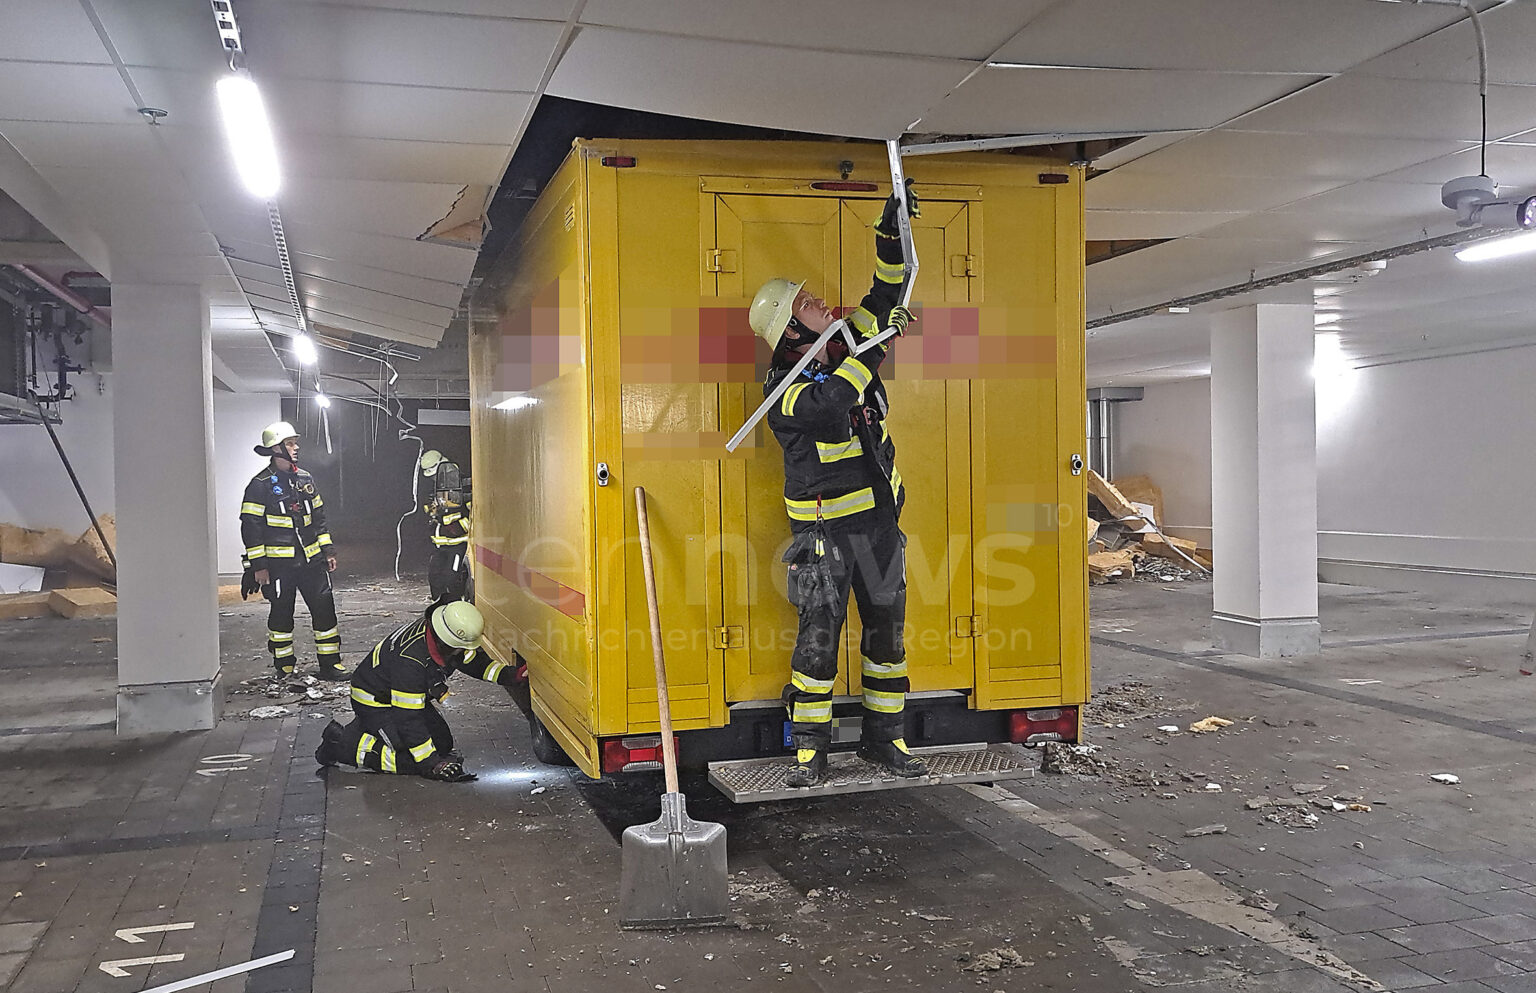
<point x="282" y="521"/>
<point x="450" y="524"/>
<point x="839" y="459"/>
<point x="406" y="671"/>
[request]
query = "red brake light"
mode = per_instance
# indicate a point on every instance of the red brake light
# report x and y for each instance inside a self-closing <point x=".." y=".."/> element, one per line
<point x="619" y="161"/>
<point x="1053" y="724"/>
<point x="845" y="187"/>
<point x="632" y="754"/>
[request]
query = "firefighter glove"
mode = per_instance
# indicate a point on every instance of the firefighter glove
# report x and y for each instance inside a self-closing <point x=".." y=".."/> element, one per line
<point x="899" y="319"/>
<point x="888" y="226"/>
<point x="248" y="584"/>
<point x="450" y="771"/>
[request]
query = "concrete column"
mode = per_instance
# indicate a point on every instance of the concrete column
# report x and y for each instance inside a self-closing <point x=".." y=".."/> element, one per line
<point x="167" y="605"/>
<point x="1264" y="481"/>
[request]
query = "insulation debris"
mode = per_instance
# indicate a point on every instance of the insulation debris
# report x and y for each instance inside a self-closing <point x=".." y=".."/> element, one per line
<point x="1125" y="539"/>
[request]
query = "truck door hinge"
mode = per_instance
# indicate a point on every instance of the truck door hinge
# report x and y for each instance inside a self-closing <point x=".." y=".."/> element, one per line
<point x="968" y="626"/>
<point x="729" y="636"/>
<point x="720" y="260"/>
<point x="962" y="265"/>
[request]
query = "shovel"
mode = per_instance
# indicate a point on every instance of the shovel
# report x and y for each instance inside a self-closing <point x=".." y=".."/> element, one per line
<point x="674" y="868"/>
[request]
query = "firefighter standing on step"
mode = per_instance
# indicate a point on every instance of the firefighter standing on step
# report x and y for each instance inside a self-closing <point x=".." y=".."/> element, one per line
<point x="449" y="509"/>
<point x="396" y="728"/>
<point x="288" y="550"/>
<point x="844" y="498"/>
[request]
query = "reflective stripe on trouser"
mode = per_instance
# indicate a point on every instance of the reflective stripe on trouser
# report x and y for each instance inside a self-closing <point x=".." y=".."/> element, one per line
<point x="314" y="583"/>
<point x="386" y="740"/>
<point x="873" y="569"/>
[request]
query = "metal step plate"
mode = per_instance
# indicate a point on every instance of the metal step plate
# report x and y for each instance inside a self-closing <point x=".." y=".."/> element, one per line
<point x="756" y="780"/>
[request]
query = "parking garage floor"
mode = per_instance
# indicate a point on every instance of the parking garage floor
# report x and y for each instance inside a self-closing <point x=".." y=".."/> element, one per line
<point x="1199" y="862"/>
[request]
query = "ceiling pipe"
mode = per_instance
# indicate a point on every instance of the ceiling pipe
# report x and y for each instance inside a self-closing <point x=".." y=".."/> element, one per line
<point x="67" y="295"/>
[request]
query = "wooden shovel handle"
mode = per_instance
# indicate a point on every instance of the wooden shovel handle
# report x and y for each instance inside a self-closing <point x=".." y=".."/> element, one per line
<point x="663" y="705"/>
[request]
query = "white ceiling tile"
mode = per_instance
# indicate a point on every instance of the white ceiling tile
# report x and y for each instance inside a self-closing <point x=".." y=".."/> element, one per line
<point x="401" y="210"/>
<point x="437" y="263"/>
<point x="1125" y="225"/>
<point x="389" y="159"/>
<point x="1451" y="54"/>
<point x="1014" y="101"/>
<point x="374" y="110"/>
<point x="1396" y="108"/>
<point x="164" y="33"/>
<point x="778" y="87"/>
<point x="54" y="91"/>
<point x="1231" y="152"/>
<point x="550" y="10"/>
<point x="43" y="144"/>
<point x="366" y="302"/>
<point x="374" y="45"/>
<point x="1512" y="166"/>
<point x="905" y="26"/>
<point x="1139" y="187"/>
<point x="1303" y="36"/>
<point x="48" y="31"/>
<point x="438" y="293"/>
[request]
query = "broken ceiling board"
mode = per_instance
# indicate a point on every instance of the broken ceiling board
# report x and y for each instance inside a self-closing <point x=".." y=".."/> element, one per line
<point x="1118" y="505"/>
<point x="90" y="601"/>
<point x="17" y="606"/>
<point x="1141" y="489"/>
<point x="1163" y="546"/>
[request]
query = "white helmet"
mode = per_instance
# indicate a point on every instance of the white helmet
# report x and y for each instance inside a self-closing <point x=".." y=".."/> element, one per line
<point x="772" y="308"/>
<point x="458" y="624"/>
<point x="430" y="460"/>
<point x="275" y="434"/>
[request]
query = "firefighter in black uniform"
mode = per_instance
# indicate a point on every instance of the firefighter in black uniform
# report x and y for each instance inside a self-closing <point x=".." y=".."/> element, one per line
<point x="844" y="498"/>
<point x="449" y="509"/>
<point x="288" y="550"/>
<point x="397" y="730"/>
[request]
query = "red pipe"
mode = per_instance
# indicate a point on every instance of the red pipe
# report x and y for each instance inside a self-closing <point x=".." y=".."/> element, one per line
<point x="64" y="293"/>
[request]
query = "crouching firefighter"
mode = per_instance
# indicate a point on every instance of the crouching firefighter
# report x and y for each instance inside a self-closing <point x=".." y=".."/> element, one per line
<point x="449" y="509"/>
<point x="288" y="551"/>
<point x="397" y="729"/>
<point x="844" y="499"/>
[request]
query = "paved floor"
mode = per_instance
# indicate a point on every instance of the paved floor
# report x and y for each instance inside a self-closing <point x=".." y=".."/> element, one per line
<point x="170" y="857"/>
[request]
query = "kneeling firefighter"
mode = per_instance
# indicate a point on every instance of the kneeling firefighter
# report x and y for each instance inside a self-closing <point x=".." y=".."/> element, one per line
<point x="844" y="499"/>
<point x="397" y="729"/>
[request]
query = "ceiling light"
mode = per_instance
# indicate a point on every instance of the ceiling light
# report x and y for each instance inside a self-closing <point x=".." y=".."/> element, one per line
<point x="322" y="400"/>
<point x="249" y="133"/>
<point x="1498" y="248"/>
<point x="304" y="349"/>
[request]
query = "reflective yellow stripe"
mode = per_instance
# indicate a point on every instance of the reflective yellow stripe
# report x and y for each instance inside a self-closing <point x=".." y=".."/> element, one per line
<point x="812" y="713"/>
<point x="451" y="518"/>
<point x="855" y="372"/>
<point x="365" y="698"/>
<point x="895" y="482"/>
<point x="364" y="746"/>
<point x="889" y="272"/>
<point x="787" y="405"/>
<point x="324" y="539"/>
<point x="317" y="502"/>
<point x="809" y="685"/>
<point x="387" y="759"/>
<point x="446" y="542"/>
<point x="885" y="432"/>
<point x="421" y="751"/>
<point x="843" y="506"/>
<point x="885" y="670"/>
<point x="282" y="652"/>
<point x="280" y="551"/>
<point x="310" y="551"/>
<point x="255" y="551"/>
<point x="836" y="451"/>
<point x="322" y="635"/>
<point x="408" y="701"/>
<point x="882" y="702"/>
<point x="493" y="670"/>
<point x="279" y="522"/>
<point x="257" y="509"/>
<point x="328" y="648"/>
<point x="279" y="635"/>
<point x="863" y="322"/>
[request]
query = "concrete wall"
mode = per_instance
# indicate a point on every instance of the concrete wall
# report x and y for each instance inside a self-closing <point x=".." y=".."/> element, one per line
<point x="1167" y="435"/>
<point x="1424" y="470"/>
<point x="237" y="422"/>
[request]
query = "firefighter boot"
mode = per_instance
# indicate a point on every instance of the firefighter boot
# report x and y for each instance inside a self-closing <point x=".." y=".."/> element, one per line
<point x="329" y="752"/>
<point x="334" y="672"/>
<point x="893" y="756"/>
<point x="809" y="768"/>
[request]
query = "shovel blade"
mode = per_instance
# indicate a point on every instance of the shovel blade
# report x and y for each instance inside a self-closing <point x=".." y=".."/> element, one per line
<point x="675" y="872"/>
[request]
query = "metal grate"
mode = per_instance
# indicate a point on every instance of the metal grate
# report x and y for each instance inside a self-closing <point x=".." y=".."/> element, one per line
<point x="756" y="780"/>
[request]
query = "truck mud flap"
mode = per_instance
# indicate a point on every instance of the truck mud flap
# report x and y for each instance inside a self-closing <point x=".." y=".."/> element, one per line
<point x="757" y="780"/>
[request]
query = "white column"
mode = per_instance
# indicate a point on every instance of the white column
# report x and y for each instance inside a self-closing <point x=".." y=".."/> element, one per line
<point x="1264" y="481"/>
<point x="167" y="604"/>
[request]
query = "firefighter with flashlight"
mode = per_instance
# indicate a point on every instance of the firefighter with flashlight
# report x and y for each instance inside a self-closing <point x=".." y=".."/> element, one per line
<point x="396" y="728"/>
<point x="449" y="509"/>
<point x="288" y="551"/>
<point x="844" y="499"/>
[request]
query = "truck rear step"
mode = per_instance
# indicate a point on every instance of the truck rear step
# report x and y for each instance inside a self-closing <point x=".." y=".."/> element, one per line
<point x="756" y="780"/>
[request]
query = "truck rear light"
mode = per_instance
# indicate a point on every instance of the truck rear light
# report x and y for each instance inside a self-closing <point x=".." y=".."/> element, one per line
<point x="633" y="754"/>
<point x="845" y="187"/>
<point x="1031" y="727"/>
<point x="619" y="161"/>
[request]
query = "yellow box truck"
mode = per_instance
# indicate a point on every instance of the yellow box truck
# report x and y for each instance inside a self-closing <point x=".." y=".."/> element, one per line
<point x="609" y="349"/>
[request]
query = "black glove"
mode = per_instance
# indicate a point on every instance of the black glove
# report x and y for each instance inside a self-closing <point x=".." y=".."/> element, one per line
<point x="888" y="226"/>
<point x="450" y="770"/>
<point x="248" y="584"/>
<point x="899" y="319"/>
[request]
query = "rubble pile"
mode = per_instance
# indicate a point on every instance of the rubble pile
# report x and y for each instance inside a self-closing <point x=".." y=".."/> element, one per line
<point x="1124" y="536"/>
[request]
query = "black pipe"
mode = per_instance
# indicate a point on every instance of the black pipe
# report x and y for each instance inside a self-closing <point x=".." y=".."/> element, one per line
<point x="79" y="490"/>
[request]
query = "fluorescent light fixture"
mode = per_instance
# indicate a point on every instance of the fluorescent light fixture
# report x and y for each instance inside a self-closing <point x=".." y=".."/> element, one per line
<point x="1498" y="248"/>
<point x="322" y="400"/>
<point x="304" y="349"/>
<point x="249" y="133"/>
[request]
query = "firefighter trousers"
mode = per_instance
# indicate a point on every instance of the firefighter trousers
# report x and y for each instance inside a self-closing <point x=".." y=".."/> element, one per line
<point x="373" y="741"/>
<point x="448" y="572"/>
<point x="865" y="555"/>
<point x="312" y="581"/>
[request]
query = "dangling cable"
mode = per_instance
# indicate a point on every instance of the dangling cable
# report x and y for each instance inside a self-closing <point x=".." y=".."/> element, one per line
<point x="1482" y="81"/>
